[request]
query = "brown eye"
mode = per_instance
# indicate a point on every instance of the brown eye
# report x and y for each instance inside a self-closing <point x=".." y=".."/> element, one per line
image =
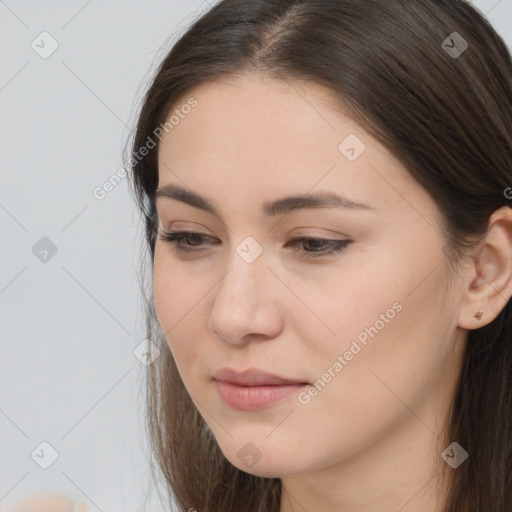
<point x="319" y="246"/>
<point x="178" y="237"/>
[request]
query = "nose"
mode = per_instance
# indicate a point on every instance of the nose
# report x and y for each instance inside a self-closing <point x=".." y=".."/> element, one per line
<point x="245" y="304"/>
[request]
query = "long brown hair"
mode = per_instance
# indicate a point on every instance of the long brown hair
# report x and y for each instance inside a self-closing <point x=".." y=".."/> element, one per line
<point x="442" y="108"/>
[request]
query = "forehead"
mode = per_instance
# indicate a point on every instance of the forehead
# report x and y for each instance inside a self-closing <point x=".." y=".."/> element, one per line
<point x="248" y="134"/>
<point x="253" y="109"/>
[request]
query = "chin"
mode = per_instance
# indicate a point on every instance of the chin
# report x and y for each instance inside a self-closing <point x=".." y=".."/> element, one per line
<point x="277" y="463"/>
<point x="265" y="470"/>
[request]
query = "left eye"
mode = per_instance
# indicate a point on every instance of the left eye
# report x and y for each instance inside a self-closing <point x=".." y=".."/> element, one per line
<point x="321" y="247"/>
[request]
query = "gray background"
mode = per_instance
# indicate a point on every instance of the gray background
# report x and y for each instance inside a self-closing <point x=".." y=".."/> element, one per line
<point x="69" y="325"/>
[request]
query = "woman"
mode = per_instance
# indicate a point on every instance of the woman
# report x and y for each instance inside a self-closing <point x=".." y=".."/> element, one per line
<point x="325" y="187"/>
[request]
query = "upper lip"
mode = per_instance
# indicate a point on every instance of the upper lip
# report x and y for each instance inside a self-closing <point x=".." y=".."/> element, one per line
<point x="252" y="377"/>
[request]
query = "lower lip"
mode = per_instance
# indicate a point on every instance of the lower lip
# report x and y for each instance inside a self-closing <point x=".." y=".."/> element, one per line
<point x="248" y="398"/>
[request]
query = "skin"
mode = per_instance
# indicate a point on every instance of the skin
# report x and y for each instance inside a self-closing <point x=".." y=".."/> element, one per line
<point x="49" y="503"/>
<point x="370" y="439"/>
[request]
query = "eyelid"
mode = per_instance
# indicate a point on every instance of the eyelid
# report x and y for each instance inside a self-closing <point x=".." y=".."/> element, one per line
<point x="292" y="235"/>
<point x="176" y="237"/>
<point x="315" y="234"/>
<point x="176" y="225"/>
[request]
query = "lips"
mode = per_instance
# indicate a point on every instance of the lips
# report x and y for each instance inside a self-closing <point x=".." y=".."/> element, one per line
<point x="253" y="377"/>
<point x="254" y="389"/>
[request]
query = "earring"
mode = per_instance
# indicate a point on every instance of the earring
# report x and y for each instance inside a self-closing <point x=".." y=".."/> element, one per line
<point x="478" y="315"/>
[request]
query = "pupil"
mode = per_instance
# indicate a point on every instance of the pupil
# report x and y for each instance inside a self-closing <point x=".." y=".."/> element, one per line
<point x="315" y="243"/>
<point x="194" y="237"/>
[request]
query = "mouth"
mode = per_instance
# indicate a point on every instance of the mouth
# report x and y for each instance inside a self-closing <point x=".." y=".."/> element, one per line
<point x="254" y="389"/>
<point x="253" y="377"/>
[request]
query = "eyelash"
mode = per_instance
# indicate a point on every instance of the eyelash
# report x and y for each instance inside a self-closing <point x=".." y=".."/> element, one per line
<point x="176" y="238"/>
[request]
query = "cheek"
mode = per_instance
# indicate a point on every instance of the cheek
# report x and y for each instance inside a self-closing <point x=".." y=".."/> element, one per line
<point x="180" y="299"/>
<point x="164" y="291"/>
<point x="383" y="322"/>
<point x="341" y="306"/>
<point x="377" y="383"/>
<point x="174" y="293"/>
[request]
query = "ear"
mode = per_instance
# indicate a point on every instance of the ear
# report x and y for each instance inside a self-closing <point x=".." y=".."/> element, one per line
<point x="488" y="287"/>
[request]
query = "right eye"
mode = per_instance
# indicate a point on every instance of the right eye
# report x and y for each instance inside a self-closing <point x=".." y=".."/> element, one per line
<point x="177" y="238"/>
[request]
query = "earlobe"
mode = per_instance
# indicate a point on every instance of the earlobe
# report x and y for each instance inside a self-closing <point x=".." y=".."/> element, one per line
<point x="489" y="287"/>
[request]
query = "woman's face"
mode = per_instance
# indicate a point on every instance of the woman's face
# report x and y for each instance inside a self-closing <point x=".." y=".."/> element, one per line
<point x="368" y="331"/>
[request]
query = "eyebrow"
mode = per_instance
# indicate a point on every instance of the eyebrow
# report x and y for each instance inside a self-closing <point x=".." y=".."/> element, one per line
<point x="272" y="208"/>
